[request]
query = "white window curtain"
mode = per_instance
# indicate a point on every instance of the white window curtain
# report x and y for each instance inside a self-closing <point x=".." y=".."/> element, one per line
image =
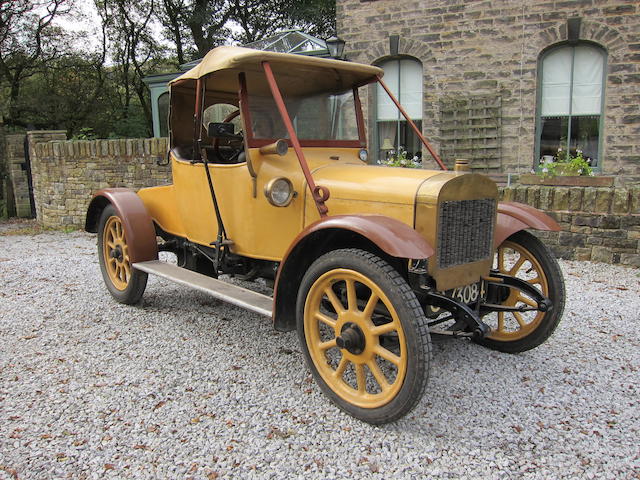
<point x="560" y="95"/>
<point x="587" y="81"/>
<point x="404" y="79"/>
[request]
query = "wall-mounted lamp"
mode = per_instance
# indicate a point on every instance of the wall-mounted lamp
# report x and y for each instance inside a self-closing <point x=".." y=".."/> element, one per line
<point x="335" y="46"/>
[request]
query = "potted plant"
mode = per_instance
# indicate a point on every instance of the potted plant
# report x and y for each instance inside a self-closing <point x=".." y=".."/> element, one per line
<point x="565" y="164"/>
<point x="401" y="160"/>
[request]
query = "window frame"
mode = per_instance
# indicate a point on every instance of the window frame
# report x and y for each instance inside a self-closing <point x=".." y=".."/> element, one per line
<point x="540" y="76"/>
<point x="375" y="141"/>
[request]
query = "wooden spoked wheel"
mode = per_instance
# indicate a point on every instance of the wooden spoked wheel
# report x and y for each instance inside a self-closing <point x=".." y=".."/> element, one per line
<point x="523" y="256"/>
<point x="364" y="335"/>
<point x="125" y="283"/>
<point x="116" y="253"/>
<point x="346" y="344"/>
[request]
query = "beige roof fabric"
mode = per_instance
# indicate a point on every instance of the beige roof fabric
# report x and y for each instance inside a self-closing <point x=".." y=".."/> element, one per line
<point x="296" y="74"/>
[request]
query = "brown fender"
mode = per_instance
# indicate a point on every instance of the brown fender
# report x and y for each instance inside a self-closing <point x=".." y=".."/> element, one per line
<point x="513" y="217"/>
<point x="389" y="236"/>
<point x="138" y="226"/>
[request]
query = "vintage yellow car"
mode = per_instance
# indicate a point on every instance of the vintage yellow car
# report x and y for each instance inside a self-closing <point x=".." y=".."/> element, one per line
<point x="271" y="179"/>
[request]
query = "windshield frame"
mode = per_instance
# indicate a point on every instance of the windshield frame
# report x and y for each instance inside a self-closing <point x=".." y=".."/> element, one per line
<point x="253" y="142"/>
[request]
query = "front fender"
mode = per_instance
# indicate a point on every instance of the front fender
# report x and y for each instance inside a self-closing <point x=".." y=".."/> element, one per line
<point x="374" y="232"/>
<point x="514" y="216"/>
<point x="138" y="225"/>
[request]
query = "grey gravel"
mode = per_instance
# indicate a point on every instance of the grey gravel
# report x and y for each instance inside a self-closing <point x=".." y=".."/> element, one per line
<point x="183" y="386"/>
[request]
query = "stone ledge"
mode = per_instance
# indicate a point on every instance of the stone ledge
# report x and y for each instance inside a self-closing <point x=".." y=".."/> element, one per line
<point x="578" y="181"/>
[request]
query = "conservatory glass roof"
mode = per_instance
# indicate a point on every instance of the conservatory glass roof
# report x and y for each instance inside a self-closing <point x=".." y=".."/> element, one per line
<point x="291" y="41"/>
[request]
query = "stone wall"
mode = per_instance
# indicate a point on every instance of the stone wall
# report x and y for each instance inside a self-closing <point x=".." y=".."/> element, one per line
<point x="66" y="174"/>
<point x="490" y="48"/>
<point x="599" y="224"/>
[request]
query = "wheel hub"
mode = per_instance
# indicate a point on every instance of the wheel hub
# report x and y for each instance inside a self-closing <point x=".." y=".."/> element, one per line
<point x="117" y="253"/>
<point x="351" y="338"/>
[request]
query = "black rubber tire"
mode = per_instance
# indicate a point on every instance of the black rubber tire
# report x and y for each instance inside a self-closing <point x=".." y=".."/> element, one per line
<point x="412" y="320"/>
<point x="555" y="280"/>
<point x="138" y="280"/>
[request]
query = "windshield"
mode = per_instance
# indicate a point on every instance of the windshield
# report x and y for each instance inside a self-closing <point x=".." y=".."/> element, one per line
<point x="321" y="117"/>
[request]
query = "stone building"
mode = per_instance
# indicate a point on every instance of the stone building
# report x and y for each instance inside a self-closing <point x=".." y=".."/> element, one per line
<point x="504" y="82"/>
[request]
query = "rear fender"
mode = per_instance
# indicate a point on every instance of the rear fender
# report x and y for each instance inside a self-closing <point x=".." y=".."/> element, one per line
<point x="513" y="217"/>
<point x="138" y="225"/>
<point x="382" y="235"/>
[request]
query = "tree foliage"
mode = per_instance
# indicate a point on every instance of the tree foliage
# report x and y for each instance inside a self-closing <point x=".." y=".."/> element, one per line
<point x="197" y="26"/>
<point x="90" y="83"/>
<point x="28" y="43"/>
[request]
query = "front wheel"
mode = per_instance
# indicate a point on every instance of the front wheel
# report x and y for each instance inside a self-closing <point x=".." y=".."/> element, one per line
<point x="363" y="335"/>
<point x="125" y="283"/>
<point x="522" y="255"/>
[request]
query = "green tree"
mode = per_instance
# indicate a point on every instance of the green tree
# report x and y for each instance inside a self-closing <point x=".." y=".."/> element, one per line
<point x="133" y="48"/>
<point x="196" y="26"/>
<point x="28" y="43"/>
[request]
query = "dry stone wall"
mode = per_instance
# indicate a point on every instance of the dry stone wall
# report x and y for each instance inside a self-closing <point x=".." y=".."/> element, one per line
<point x="598" y="224"/>
<point x="66" y="174"/>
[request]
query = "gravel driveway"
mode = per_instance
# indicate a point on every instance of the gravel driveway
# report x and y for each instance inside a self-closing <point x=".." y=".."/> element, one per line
<point x="184" y="386"/>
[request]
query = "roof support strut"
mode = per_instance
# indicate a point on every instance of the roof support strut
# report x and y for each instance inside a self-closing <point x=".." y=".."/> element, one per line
<point x="319" y="194"/>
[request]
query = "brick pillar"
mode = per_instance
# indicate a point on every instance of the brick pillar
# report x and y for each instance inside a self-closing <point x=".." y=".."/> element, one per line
<point x="34" y="137"/>
<point x="4" y="177"/>
<point x="16" y="169"/>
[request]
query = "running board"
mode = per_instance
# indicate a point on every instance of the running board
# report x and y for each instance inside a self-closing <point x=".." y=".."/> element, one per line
<point x="241" y="297"/>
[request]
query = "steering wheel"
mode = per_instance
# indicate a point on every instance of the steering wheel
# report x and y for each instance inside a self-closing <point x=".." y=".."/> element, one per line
<point x="236" y="151"/>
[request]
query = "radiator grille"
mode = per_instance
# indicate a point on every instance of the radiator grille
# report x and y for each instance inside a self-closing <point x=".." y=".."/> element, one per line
<point x="465" y="232"/>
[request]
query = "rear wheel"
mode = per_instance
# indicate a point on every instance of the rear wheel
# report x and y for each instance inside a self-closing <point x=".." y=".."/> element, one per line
<point x="364" y="335"/>
<point x="125" y="283"/>
<point x="522" y="255"/>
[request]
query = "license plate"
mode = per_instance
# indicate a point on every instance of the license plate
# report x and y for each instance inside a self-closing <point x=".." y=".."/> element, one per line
<point x="468" y="294"/>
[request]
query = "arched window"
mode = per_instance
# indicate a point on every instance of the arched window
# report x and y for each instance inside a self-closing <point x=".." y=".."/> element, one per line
<point x="403" y="76"/>
<point x="571" y="99"/>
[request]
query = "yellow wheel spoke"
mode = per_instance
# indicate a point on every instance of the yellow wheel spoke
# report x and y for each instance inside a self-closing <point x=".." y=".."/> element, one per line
<point x="534" y="281"/>
<point x="500" y="321"/>
<point x="327" y="345"/>
<point x="517" y="265"/>
<point x="337" y="305"/>
<point x="378" y="375"/>
<point x="324" y="319"/>
<point x="352" y="300"/>
<point x="501" y="259"/>
<point x="526" y="300"/>
<point x="387" y="355"/>
<point x="360" y="378"/>
<point x="519" y="319"/>
<point x="342" y="366"/>
<point x="385" y="328"/>
<point x="371" y="305"/>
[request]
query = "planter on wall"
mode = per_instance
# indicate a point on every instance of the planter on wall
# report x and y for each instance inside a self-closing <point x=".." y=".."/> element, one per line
<point x="571" y="181"/>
